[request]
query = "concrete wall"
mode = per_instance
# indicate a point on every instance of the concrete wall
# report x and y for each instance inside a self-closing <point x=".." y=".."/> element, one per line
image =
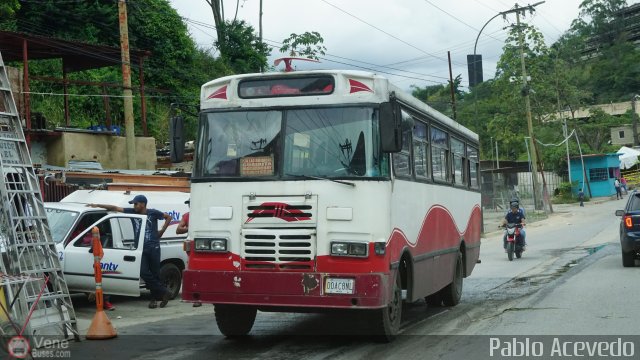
<point x="585" y="112"/>
<point x="626" y="139"/>
<point x="109" y="150"/>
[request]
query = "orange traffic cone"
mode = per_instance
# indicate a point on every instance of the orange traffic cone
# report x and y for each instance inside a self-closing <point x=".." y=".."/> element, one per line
<point x="101" y="327"/>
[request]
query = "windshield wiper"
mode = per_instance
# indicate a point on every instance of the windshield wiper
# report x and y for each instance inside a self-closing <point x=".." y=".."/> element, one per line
<point x="321" y="178"/>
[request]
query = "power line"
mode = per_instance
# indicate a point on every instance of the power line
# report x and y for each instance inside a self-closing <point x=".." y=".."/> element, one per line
<point x="385" y="32"/>
<point x="374" y="70"/>
<point x="277" y="43"/>
<point x="103" y="95"/>
<point x="455" y="17"/>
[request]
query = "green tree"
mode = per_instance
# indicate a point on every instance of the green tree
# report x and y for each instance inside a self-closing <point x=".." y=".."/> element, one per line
<point x="175" y="64"/>
<point x="8" y="8"/>
<point x="596" y="130"/>
<point x="308" y="44"/>
<point x="241" y="48"/>
<point x="439" y="96"/>
<point x="598" y="21"/>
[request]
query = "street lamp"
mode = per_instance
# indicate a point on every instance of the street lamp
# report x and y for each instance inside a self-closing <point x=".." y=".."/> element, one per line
<point x="517" y="10"/>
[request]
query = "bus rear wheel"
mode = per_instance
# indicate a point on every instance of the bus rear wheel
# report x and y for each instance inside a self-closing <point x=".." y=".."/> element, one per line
<point x="452" y="293"/>
<point x="386" y="321"/>
<point x="235" y="320"/>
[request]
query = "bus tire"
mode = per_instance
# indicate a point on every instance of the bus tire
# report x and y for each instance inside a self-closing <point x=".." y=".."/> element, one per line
<point x="171" y="278"/>
<point x="235" y="320"/>
<point x="386" y="321"/>
<point x="452" y="293"/>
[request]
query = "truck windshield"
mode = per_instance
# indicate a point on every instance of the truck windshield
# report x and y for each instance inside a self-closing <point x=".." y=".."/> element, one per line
<point x="321" y="142"/>
<point x="60" y="222"/>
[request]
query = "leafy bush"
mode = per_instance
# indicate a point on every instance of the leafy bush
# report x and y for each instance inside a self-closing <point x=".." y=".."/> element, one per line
<point x="564" y="194"/>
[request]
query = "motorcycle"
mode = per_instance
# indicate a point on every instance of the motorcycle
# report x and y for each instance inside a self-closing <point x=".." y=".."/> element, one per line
<point x="515" y="243"/>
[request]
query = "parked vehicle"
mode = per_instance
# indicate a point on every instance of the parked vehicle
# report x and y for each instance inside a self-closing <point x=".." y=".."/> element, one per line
<point x="630" y="230"/>
<point x="515" y="243"/>
<point x="71" y="221"/>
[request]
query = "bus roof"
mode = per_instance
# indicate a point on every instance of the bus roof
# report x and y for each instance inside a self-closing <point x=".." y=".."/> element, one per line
<point x="350" y="87"/>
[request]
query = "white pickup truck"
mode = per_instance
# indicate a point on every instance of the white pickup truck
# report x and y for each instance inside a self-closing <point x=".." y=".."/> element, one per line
<point x="71" y="221"/>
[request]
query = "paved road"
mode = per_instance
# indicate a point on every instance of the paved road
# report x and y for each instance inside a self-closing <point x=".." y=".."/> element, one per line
<point x="566" y="253"/>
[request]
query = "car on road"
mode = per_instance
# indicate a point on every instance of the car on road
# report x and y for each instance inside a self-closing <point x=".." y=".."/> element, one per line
<point x="630" y="229"/>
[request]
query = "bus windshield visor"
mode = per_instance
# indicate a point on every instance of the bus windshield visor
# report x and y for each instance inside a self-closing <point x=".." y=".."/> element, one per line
<point x="320" y="142"/>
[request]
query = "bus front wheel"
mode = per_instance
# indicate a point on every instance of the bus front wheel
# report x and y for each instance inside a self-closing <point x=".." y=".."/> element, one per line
<point x="235" y="320"/>
<point x="386" y="321"/>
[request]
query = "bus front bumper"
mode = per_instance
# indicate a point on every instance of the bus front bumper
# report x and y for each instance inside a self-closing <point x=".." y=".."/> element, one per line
<point x="287" y="289"/>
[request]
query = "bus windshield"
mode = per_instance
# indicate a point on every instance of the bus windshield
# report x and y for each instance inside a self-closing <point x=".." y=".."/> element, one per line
<point x="319" y="142"/>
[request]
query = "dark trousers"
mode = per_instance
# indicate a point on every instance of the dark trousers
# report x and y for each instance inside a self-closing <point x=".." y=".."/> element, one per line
<point x="618" y="193"/>
<point x="150" y="270"/>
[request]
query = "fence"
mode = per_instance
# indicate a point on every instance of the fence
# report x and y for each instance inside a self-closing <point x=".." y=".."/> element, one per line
<point x="504" y="187"/>
<point x="54" y="190"/>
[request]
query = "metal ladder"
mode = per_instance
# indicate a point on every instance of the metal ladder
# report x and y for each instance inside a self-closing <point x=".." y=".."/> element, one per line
<point x="37" y="297"/>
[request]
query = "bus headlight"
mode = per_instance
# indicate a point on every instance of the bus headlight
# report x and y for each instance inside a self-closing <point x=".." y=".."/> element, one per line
<point x="341" y="248"/>
<point x="219" y="245"/>
<point x="211" y="245"/>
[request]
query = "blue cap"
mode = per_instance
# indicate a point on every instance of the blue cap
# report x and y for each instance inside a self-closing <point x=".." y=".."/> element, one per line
<point x="139" y="199"/>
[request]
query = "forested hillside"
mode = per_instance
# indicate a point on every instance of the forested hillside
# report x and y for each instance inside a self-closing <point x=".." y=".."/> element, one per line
<point x="592" y="63"/>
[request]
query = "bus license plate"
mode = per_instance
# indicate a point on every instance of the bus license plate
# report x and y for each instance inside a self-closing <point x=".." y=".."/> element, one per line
<point x="339" y="286"/>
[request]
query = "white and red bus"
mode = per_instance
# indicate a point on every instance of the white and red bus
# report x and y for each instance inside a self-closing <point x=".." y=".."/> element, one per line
<point x="323" y="190"/>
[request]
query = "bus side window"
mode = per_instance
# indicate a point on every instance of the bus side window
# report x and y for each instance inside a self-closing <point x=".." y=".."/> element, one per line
<point x="402" y="159"/>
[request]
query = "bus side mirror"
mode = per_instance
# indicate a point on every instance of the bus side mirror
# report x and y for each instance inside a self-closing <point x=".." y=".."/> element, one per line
<point x="390" y="127"/>
<point x="176" y="138"/>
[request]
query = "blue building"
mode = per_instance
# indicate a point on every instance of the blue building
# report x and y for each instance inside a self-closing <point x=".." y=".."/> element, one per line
<point x="601" y="170"/>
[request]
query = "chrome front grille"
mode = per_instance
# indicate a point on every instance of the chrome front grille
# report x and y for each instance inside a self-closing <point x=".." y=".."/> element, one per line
<point x="284" y="249"/>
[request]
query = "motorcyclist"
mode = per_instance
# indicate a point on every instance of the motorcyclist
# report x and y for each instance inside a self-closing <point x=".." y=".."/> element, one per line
<point x="515" y="215"/>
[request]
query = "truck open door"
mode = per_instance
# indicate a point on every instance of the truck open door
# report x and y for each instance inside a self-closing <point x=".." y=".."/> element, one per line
<point x="122" y="237"/>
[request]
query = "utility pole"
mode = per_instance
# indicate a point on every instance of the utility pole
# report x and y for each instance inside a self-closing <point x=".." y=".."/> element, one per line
<point x="564" y="120"/>
<point x="527" y="103"/>
<point x="566" y="143"/>
<point x="497" y="157"/>
<point x="516" y="10"/>
<point x="634" y="116"/>
<point x="126" y="85"/>
<point x="453" y="94"/>
<point x="260" y="25"/>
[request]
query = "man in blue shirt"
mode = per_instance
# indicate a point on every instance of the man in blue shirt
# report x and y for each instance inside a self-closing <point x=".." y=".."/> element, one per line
<point x="150" y="261"/>
<point x="515" y="216"/>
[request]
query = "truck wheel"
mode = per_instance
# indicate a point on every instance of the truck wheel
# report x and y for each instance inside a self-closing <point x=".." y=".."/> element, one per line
<point x="452" y="293"/>
<point x="628" y="259"/>
<point x="386" y="321"/>
<point x="235" y="320"/>
<point x="171" y="278"/>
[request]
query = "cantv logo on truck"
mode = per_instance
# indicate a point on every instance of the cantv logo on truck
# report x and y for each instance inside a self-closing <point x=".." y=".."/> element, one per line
<point x="175" y="217"/>
<point x="109" y="268"/>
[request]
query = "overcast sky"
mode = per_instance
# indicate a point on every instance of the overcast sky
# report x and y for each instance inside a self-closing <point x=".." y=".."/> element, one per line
<point x="405" y="40"/>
